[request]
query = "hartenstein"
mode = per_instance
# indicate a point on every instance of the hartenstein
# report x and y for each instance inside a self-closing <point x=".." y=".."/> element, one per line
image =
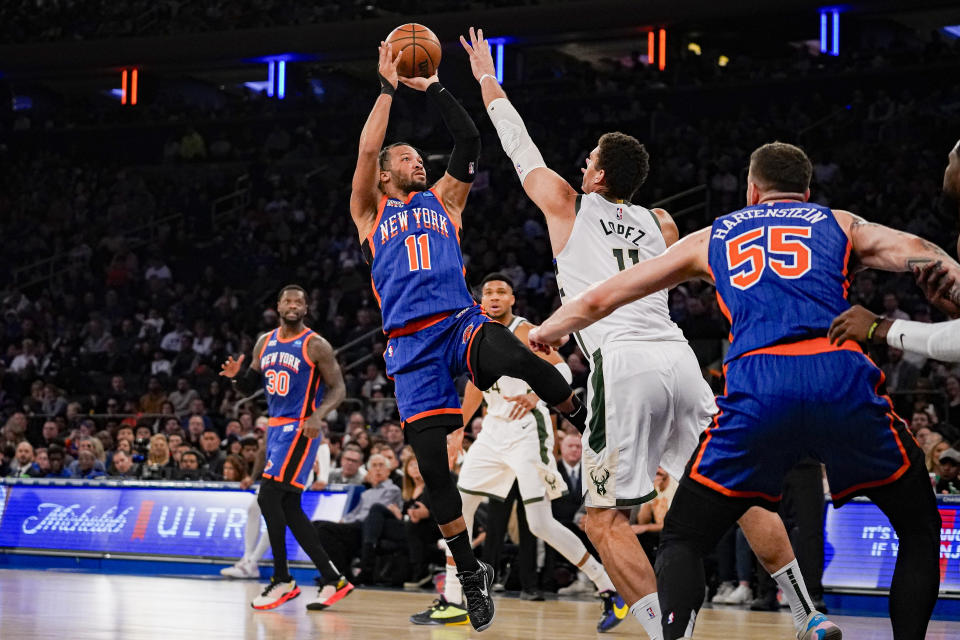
<point x="63" y="519"/>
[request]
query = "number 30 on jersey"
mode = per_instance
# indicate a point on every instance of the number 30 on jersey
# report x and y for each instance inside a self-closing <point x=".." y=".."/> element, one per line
<point x="749" y="255"/>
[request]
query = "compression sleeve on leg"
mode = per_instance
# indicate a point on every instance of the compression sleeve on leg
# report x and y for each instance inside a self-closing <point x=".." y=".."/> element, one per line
<point x="516" y="142"/>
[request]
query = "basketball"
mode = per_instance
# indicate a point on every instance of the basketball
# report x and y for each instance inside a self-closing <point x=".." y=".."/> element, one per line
<point x="420" y="48"/>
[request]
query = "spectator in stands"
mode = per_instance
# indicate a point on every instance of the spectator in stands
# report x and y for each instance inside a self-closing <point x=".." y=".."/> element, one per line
<point x="234" y="469"/>
<point x="23" y="465"/>
<point x="351" y="469"/>
<point x="393" y="434"/>
<point x="393" y="465"/>
<point x="362" y="440"/>
<point x="648" y="518"/>
<point x="86" y="466"/>
<point x="949" y="482"/>
<point x="14" y="430"/>
<point x="50" y="432"/>
<point x="900" y="374"/>
<point x="95" y="448"/>
<point x="153" y="400"/>
<point x="952" y="388"/>
<point x="213" y="457"/>
<point x="26" y="362"/>
<point x="182" y="396"/>
<point x="933" y="459"/>
<point x="189" y="467"/>
<point x="891" y="307"/>
<point x="920" y="420"/>
<point x="123" y="466"/>
<point x="342" y="540"/>
<point x="54" y="403"/>
<point x="195" y="429"/>
<point x="55" y="455"/>
<point x="158" y="465"/>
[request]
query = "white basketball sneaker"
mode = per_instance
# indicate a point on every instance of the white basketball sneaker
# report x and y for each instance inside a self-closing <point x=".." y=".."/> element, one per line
<point x="243" y="569"/>
<point x="276" y="594"/>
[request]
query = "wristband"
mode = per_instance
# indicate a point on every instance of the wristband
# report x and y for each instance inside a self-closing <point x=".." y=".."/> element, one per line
<point x="385" y="86"/>
<point x="487" y="75"/>
<point x="873" y="328"/>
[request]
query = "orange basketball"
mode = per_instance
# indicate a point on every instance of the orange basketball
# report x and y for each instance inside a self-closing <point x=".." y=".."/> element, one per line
<point x="420" y="47"/>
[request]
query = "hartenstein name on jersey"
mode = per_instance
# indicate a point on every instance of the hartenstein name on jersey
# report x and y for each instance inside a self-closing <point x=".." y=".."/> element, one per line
<point x="809" y="214"/>
<point x="630" y="233"/>
<point x="422" y="217"/>
<point x="280" y="358"/>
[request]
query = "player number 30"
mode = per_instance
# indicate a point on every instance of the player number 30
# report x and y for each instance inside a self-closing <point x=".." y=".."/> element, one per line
<point x="278" y="382"/>
<point x="748" y="250"/>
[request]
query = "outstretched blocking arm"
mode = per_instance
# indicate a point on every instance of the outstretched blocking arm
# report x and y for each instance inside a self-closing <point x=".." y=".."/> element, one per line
<point x="548" y="190"/>
<point x="880" y="247"/>
<point x="686" y="260"/>
<point x="322" y="356"/>
<point x="365" y="189"/>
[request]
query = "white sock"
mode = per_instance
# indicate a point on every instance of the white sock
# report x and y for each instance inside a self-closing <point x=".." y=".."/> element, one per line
<point x="647" y="611"/>
<point x="790" y="581"/>
<point x="595" y="571"/>
<point x="451" y="586"/>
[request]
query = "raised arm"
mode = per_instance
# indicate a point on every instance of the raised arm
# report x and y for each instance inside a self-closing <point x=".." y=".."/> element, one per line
<point x="321" y="355"/>
<point x="365" y="190"/>
<point x="548" y="190"/>
<point x="454" y="186"/>
<point x="671" y="234"/>
<point x="686" y="260"/>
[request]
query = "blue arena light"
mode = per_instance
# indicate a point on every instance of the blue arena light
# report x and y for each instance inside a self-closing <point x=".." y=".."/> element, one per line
<point x="951" y="30"/>
<point x="500" y="62"/>
<point x="271" y="67"/>
<point x="835" y="50"/>
<point x="281" y="79"/>
<point x="823" y="32"/>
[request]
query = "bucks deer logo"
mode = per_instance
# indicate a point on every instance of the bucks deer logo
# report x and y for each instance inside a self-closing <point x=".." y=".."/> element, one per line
<point x="600" y="480"/>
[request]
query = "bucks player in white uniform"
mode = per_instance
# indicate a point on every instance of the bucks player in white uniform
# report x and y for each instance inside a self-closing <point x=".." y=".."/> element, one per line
<point x="647" y="399"/>
<point x="516" y="445"/>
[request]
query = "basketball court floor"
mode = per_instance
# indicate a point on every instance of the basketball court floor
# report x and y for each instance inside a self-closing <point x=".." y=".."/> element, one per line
<point x="84" y="606"/>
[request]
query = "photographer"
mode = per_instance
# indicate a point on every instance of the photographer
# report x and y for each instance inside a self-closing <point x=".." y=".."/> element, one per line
<point x="158" y="465"/>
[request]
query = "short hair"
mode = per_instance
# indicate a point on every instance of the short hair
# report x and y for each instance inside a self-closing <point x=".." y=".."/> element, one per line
<point x="625" y="164"/>
<point x="353" y="446"/>
<point x="496" y="276"/>
<point x="379" y="457"/>
<point x="291" y="287"/>
<point x="779" y="166"/>
<point x="385" y="153"/>
<point x="192" y="452"/>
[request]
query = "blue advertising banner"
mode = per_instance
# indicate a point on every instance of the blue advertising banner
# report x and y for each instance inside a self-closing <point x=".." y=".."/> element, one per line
<point x="145" y="521"/>
<point x="860" y="546"/>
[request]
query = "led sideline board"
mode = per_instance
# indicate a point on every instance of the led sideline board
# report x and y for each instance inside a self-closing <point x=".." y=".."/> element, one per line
<point x="141" y="521"/>
<point x="860" y="546"/>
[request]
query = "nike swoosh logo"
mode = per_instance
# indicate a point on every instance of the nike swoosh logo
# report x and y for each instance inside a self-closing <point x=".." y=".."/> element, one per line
<point x="621" y="612"/>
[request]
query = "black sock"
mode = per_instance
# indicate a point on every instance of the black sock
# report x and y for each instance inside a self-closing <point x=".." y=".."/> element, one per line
<point x="462" y="553"/>
<point x="577" y="417"/>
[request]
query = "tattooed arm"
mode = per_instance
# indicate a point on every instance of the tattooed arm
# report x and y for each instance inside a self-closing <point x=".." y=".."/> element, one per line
<point x="880" y="247"/>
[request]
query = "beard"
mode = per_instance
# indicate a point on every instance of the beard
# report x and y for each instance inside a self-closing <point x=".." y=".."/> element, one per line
<point x="413" y="184"/>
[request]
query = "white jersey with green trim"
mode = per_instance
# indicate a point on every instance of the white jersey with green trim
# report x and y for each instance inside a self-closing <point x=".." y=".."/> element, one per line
<point x="608" y="237"/>
<point x="495" y="396"/>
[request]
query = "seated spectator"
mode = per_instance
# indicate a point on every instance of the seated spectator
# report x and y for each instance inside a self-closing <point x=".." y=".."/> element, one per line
<point x="213" y="457"/>
<point x="55" y="455"/>
<point x="393" y="434"/>
<point x="234" y="469"/>
<point x="123" y="466"/>
<point x="249" y="448"/>
<point x="343" y="539"/>
<point x="933" y="459"/>
<point x="383" y="448"/>
<point x="153" y="400"/>
<point x="23" y="465"/>
<point x="42" y="459"/>
<point x="158" y="465"/>
<point x="351" y="469"/>
<point x="190" y="466"/>
<point x="86" y="466"/>
<point x="949" y="482"/>
<point x="94" y="446"/>
<point x="50" y="432"/>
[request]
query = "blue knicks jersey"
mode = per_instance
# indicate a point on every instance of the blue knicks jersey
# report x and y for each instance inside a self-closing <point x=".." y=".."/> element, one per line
<point x="292" y="383"/>
<point x="415" y="260"/>
<point x="781" y="273"/>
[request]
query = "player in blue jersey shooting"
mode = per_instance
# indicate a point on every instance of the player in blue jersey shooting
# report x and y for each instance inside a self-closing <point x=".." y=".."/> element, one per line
<point x="411" y="237"/>
<point x="782" y="267"/>
<point x="302" y="382"/>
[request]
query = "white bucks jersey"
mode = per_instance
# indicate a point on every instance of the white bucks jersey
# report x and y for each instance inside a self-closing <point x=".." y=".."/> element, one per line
<point x="607" y="238"/>
<point x="506" y="386"/>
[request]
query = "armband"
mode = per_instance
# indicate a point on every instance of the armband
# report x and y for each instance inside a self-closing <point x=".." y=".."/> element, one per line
<point x="514" y="138"/>
<point x="247" y="382"/>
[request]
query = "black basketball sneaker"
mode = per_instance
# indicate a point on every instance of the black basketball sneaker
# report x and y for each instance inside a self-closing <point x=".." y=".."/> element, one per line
<point x="476" y="591"/>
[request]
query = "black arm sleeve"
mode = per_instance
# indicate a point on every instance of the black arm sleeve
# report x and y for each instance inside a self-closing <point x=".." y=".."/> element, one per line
<point x="247" y="382"/>
<point x="466" y="136"/>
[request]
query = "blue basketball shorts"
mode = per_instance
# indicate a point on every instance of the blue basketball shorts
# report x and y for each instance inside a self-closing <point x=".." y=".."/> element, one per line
<point x="290" y="454"/>
<point x="424" y="364"/>
<point x="781" y="406"/>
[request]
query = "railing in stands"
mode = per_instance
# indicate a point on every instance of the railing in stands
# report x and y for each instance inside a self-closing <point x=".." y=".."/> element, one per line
<point x="226" y="207"/>
<point x="690" y="201"/>
<point x="60" y="263"/>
